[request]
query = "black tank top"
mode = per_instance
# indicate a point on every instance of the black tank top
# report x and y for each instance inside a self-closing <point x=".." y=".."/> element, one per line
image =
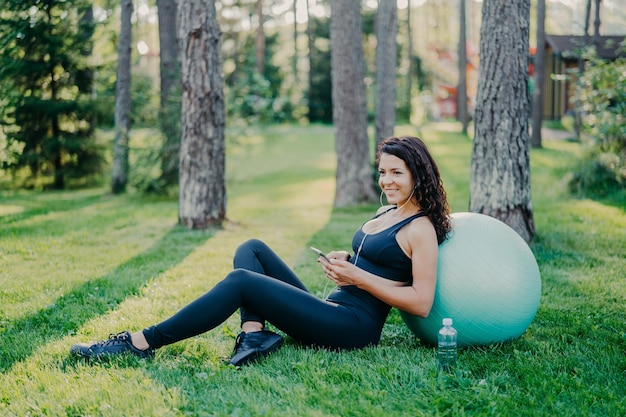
<point x="380" y="255"/>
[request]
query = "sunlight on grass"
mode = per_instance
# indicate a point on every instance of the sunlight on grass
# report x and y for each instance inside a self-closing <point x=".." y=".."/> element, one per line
<point x="8" y="209"/>
<point x="62" y="254"/>
<point x="273" y="195"/>
<point x="79" y="265"/>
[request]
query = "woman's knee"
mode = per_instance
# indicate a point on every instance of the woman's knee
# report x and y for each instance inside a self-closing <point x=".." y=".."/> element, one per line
<point x="239" y="276"/>
<point x="251" y="245"/>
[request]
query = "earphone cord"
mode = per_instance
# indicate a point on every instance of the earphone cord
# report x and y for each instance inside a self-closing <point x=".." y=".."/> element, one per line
<point x="358" y="252"/>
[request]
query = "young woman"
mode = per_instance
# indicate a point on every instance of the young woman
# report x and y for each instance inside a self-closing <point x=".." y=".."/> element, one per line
<point x="393" y="264"/>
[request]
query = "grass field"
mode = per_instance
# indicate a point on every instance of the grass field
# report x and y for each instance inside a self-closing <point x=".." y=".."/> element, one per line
<point x="76" y="266"/>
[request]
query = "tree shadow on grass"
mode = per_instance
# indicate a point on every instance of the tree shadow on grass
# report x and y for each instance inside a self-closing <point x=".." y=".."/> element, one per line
<point x="20" y="338"/>
<point x="40" y="205"/>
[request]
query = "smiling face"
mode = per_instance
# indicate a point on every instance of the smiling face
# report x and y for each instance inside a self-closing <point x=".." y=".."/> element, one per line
<point x="395" y="179"/>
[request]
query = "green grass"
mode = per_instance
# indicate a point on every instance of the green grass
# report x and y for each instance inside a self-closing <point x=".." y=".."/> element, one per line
<point x="79" y="265"/>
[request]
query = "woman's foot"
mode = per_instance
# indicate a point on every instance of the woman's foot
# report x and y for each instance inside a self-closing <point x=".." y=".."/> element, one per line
<point x="254" y="345"/>
<point x="116" y="344"/>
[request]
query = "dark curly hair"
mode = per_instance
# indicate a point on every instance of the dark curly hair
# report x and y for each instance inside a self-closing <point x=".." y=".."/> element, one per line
<point x="429" y="191"/>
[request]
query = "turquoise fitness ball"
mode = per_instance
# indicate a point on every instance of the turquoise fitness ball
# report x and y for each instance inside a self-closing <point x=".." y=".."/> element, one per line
<point x="488" y="282"/>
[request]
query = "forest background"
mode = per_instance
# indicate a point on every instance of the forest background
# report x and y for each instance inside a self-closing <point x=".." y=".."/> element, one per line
<point x="290" y="83"/>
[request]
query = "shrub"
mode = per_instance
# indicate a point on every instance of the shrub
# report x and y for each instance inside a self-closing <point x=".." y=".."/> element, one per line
<point x="601" y="91"/>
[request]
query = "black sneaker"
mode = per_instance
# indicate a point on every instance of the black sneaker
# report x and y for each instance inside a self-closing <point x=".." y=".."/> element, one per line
<point x="254" y="345"/>
<point x="116" y="344"/>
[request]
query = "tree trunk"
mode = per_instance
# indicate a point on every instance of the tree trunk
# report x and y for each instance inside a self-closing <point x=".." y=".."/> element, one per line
<point x="119" y="176"/>
<point x="202" y="199"/>
<point x="87" y="28"/>
<point x="500" y="173"/>
<point x="587" y="21"/>
<point x="462" y="86"/>
<point x="311" y="45"/>
<point x="537" y="108"/>
<point x="294" y="62"/>
<point x="55" y="125"/>
<point x="259" y="41"/>
<point x="581" y="67"/>
<point x="354" y="172"/>
<point x="596" y="25"/>
<point x="386" y="50"/>
<point x="170" y="92"/>
<point x="409" y="75"/>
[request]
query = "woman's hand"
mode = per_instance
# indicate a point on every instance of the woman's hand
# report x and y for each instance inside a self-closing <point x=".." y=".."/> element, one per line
<point x="340" y="255"/>
<point x="340" y="271"/>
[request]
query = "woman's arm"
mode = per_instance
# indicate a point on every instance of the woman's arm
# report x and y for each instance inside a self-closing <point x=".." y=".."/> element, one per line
<point x="419" y="240"/>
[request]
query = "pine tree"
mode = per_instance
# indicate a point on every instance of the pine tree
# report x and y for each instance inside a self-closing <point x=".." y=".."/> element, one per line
<point x="354" y="170"/>
<point x="386" y="51"/>
<point x="202" y="195"/>
<point x="169" y="111"/>
<point x="119" y="173"/>
<point x="45" y="85"/>
<point x="500" y="172"/>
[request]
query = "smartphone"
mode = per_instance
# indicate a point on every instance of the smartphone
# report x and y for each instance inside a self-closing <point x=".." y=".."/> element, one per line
<point x="320" y="253"/>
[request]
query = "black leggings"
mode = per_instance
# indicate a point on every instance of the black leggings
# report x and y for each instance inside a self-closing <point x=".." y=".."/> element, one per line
<point x="264" y="288"/>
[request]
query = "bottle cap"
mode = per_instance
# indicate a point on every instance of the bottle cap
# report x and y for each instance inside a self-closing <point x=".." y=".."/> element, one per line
<point x="447" y="322"/>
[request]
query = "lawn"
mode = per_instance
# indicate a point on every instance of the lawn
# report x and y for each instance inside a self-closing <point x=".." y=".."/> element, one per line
<point x="78" y="265"/>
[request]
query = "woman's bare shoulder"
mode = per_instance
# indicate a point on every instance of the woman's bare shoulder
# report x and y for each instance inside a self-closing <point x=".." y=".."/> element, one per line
<point x="383" y="209"/>
<point x="421" y="229"/>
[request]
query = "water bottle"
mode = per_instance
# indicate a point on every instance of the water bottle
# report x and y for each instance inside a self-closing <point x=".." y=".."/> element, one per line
<point x="446" y="353"/>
